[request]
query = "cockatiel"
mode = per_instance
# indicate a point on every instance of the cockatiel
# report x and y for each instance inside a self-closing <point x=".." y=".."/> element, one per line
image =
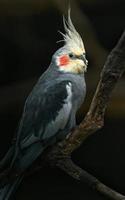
<point x="50" y="110"/>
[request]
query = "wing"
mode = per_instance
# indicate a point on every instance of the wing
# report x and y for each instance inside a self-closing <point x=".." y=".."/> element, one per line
<point x="46" y="113"/>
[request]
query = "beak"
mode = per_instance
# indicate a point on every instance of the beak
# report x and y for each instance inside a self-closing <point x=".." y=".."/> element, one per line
<point x="82" y="57"/>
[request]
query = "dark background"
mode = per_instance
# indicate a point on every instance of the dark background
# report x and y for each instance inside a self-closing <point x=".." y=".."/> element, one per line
<point x="28" y="35"/>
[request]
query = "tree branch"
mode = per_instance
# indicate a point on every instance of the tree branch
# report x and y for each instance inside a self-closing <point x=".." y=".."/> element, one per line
<point x="81" y="175"/>
<point x="93" y="121"/>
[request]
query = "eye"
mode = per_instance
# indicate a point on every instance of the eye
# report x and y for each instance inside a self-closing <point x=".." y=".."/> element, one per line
<point x="71" y="55"/>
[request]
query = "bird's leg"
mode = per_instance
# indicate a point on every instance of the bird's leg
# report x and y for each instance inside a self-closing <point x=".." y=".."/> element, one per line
<point x="71" y="131"/>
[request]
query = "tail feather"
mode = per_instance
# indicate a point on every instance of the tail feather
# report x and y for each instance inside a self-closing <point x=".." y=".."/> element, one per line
<point x="7" y="159"/>
<point x="7" y="191"/>
<point x="21" y="163"/>
<point x="27" y="157"/>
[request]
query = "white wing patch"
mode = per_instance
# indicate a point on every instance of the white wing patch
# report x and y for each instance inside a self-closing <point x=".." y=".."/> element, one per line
<point x="62" y="117"/>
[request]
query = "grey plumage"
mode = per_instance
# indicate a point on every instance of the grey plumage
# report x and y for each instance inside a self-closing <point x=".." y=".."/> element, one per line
<point x="48" y="115"/>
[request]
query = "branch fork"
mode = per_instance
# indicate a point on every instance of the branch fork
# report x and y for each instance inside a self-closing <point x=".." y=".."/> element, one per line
<point x="94" y="120"/>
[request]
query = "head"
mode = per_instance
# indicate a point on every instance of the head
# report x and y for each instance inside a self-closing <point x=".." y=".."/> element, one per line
<point x="71" y="57"/>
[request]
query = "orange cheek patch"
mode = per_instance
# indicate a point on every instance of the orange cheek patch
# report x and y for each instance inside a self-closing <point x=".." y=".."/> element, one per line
<point x="64" y="60"/>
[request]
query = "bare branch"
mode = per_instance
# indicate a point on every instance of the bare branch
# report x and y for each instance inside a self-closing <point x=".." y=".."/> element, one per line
<point x="94" y="119"/>
<point x="81" y="175"/>
<point x="60" y="155"/>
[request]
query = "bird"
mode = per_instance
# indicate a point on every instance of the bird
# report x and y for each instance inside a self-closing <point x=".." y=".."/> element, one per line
<point x="49" y="112"/>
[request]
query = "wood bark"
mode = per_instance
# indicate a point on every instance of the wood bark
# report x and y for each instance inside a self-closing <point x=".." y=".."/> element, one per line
<point x="93" y="121"/>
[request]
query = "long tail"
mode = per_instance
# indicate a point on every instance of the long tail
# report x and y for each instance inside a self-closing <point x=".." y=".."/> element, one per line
<point x="7" y="159"/>
<point x="9" y="189"/>
<point x="24" y="160"/>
